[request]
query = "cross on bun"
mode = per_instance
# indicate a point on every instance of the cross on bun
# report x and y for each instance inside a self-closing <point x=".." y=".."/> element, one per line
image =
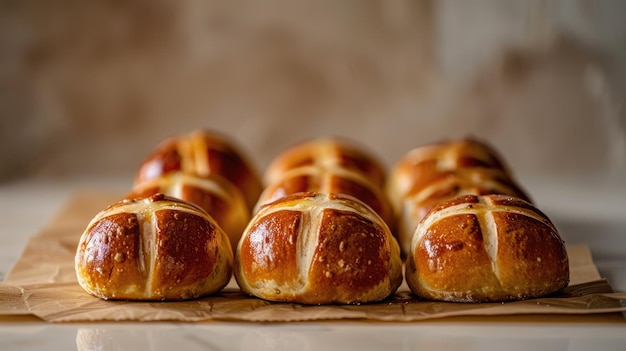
<point x="217" y="196"/>
<point x="315" y="248"/>
<point x="203" y="153"/>
<point x="156" y="248"/>
<point x="488" y="248"/>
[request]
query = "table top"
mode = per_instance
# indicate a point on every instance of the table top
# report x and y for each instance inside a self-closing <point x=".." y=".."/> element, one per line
<point x="27" y="205"/>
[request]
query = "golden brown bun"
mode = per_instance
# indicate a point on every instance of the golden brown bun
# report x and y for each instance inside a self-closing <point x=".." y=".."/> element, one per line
<point x="421" y="165"/>
<point x="157" y="248"/>
<point x="330" y="180"/>
<point x="432" y="173"/>
<point x="315" y="248"/>
<point x="448" y="185"/>
<point x="324" y="153"/>
<point x="489" y="248"/>
<point x="203" y="153"/>
<point x="218" y="197"/>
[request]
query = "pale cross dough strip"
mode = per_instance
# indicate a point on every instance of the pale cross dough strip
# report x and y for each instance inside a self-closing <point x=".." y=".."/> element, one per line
<point x="326" y="170"/>
<point x="185" y="148"/>
<point x="194" y="155"/>
<point x="327" y="154"/>
<point x="311" y="219"/>
<point x="476" y="183"/>
<point x="420" y="154"/>
<point x="197" y="155"/>
<point x="176" y="187"/>
<point x="489" y="232"/>
<point x="132" y="206"/>
<point x="326" y="182"/>
<point x="324" y="157"/>
<point x="449" y="159"/>
<point x="147" y="245"/>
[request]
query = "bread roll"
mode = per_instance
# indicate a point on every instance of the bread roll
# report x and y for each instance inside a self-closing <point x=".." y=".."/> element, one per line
<point x="157" y="248"/>
<point x="421" y="165"/>
<point x="436" y="172"/>
<point x="217" y="196"/>
<point x="326" y="153"/>
<point x="448" y="185"/>
<point x="315" y="248"/>
<point x="490" y="248"/>
<point x="330" y="180"/>
<point x="203" y="153"/>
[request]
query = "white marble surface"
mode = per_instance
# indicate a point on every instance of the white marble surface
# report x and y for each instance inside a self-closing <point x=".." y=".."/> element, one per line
<point x="599" y="221"/>
<point x="314" y="336"/>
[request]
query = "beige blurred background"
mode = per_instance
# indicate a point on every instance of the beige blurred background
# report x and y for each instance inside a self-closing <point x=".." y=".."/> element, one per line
<point x="87" y="89"/>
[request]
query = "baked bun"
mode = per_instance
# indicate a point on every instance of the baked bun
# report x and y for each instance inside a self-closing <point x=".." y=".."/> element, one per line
<point x="331" y="152"/>
<point x="418" y="167"/>
<point x="217" y="196"/>
<point x="432" y="173"/>
<point x="448" y="185"/>
<point x="330" y="180"/>
<point x="203" y="153"/>
<point x="315" y="248"/>
<point x="490" y="248"/>
<point x="157" y="248"/>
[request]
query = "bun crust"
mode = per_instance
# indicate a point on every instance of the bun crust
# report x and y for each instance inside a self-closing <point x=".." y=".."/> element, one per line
<point x="315" y="248"/>
<point x="157" y="248"/>
<point x="327" y="153"/>
<point x="488" y="248"/>
<point x="203" y="154"/>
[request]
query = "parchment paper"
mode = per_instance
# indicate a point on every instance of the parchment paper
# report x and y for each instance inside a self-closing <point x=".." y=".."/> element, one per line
<point x="43" y="283"/>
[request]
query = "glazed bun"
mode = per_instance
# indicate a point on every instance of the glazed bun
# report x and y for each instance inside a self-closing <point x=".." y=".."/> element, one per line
<point x="217" y="196"/>
<point x="330" y="152"/>
<point x="157" y="248"/>
<point x="419" y="166"/>
<point x="432" y="173"/>
<point x="315" y="248"/>
<point x="448" y="185"/>
<point x="490" y="248"/>
<point x="203" y="153"/>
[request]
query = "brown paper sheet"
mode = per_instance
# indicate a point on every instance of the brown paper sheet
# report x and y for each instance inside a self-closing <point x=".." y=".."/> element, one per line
<point x="42" y="283"/>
